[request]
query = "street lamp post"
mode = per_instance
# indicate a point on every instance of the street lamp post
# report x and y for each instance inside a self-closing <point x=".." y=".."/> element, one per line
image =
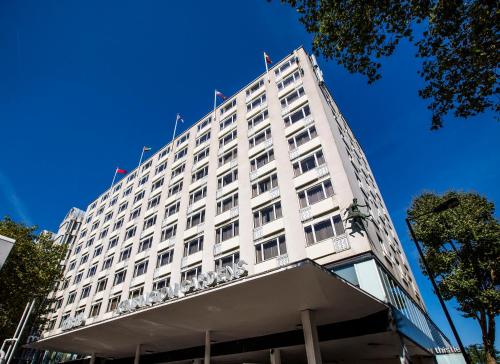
<point x="448" y="204"/>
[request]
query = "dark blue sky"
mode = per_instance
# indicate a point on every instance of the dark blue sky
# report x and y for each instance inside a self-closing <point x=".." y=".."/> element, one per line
<point x="84" y="85"/>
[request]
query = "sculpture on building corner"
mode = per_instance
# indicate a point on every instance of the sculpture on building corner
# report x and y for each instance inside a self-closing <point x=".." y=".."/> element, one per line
<point x="356" y="217"/>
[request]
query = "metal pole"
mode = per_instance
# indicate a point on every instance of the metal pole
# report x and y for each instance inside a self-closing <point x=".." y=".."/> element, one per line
<point x="438" y="294"/>
<point x="20" y="332"/>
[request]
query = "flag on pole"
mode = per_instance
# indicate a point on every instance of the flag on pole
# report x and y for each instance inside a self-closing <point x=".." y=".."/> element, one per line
<point x="146" y="149"/>
<point x="179" y="118"/>
<point x="220" y="94"/>
<point x="121" y="171"/>
<point x="267" y="58"/>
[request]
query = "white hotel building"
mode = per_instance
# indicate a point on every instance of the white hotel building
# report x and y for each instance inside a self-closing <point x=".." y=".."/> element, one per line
<point x="230" y="246"/>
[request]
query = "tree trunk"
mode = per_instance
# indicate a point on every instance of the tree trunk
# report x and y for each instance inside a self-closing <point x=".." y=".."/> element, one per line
<point x="489" y="339"/>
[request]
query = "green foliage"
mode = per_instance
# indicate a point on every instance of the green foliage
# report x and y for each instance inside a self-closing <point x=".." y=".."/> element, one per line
<point x="457" y="40"/>
<point x="30" y="271"/>
<point x="477" y="354"/>
<point x="462" y="248"/>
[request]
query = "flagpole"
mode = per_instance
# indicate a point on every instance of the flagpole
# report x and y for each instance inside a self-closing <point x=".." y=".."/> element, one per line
<point x="114" y="177"/>
<point x="142" y="155"/>
<point x="175" y="129"/>
<point x="215" y="103"/>
<point x="267" y="68"/>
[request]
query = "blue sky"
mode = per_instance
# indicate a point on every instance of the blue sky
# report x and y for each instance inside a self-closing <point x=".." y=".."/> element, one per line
<point x="84" y="85"/>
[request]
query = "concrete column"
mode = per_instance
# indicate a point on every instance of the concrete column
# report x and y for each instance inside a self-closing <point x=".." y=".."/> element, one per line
<point x="137" y="354"/>
<point x="310" y="337"/>
<point x="92" y="358"/>
<point x="275" y="356"/>
<point x="207" y="347"/>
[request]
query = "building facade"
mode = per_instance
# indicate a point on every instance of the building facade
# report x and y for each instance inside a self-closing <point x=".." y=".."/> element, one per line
<point x="252" y="197"/>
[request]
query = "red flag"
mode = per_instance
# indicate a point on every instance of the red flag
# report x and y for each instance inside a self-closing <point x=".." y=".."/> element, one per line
<point x="267" y="58"/>
<point x="121" y="171"/>
<point x="220" y="94"/>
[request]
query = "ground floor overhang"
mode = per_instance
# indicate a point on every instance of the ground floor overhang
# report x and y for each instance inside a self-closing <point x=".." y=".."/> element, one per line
<point x="248" y="315"/>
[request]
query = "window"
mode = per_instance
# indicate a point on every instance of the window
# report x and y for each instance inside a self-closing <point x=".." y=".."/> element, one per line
<point x="92" y="271"/>
<point x="108" y="216"/>
<point x="178" y="170"/>
<point x="103" y="198"/>
<point x="193" y="246"/>
<point x="197" y="194"/>
<point x="113" y="201"/>
<point x="228" y="156"/>
<point x="182" y="139"/>
<point x="58" y="303"/>
<point x="146" y="165"/>
<point x="298" y="115"/>
<point x="64" y="318"/>
<point x="315" y="193"/>
<point x="78" y="249"/>
<point x="94" y="226"/>
<point x="138" y="197"/>
<point x="101" y="284"/>
<point x="125" y="253"/>
<point x="168" y="232"/>
<point x="227" y="138"/>
<point x="160" y="167"/>
<point x="119" y="277"/>
<point x="289" y="80"/>
<point x="195" y="219"/>
<point x="84" y="259"/>
<point x="72" y="265"/>
<point x="205" y="137"/>
<point x="226" y="232"/>
<point x="52" y="324"/>
<point x="143" y="180"/>
<point x="136" y="292"/>
<point x="163" y="153"/>
<point x="270" y="249"/>
<point x="100" y="211"/>
<point x="85" y="292"/>
<point x="262" y="159"/>
<point x="257" y="119"/>
<point x="118" y="224"/>
<point x="113" y="242"/>
<point x="302" y="137"/>
<point x="103" y="233"/>
<point x="286" y="65"/>
<point x="131" y="177"/>
<point x="107" y="263"/>
<point x="291" y="97"/>
<point x="180" y="154"/>
<point x="227" y="203"/>
<point x="199" y="174"/>
<point x="264" y="184"/>
<point x="66" y="283"/>
<point x="154" y="201"/>
<point x="228" y="105"/>
<point x="71" y="297"/>
<point x="161" y="283"/>
<point x="324" y="229"/>
<point x="177" y="188"/>
<point x="227" y="178"/>
<point x="130" y="232"/>
<point x="198" y="157"/>
<point x="228" y="260"/>
<point x="267" y="214"/>
<point x="94" y="309"/>
<point x="309" y="162"/>
<point x="89" y="242"/>
<point x="113" y="303"/>
<point x="145" y="244"/>
<point x="164" y="257"/>
<point x="227" y="122"/>
<point x="157" y="184"/>
<point x="257" y="85"/>
<point x="256" y="102"/>
<point x="140" y="268"/>
<point x="260" y="137"/>
<point x="204" y="123"/>
<point x="172" y="209"/>
<point x="122" y="207"/>
<point x="191" y="273"/>
<point x="149" y="222"/>
<point x="128" y="191"/>
<point x="83" y="233"/>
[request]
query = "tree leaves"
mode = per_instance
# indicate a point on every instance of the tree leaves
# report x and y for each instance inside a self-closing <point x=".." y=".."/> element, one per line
<point x="462" y="248"/>
<point x="30" y="272"/>
<point x="457" y="41"/>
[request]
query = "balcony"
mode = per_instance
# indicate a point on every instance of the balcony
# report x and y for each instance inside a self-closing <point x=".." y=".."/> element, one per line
<point x="226" y="167"/>
<point x="191" y="259"/>
<point x="265" y="197"/>
<point x="256" y="110"/>
<point x="310" y="175"/>
<point x="268" y="143"/>
<point x="290" y="129"/>
<point x="226" y="189"/>
<point x="290" y="87"/>
<point x="263" y="170"/>
<point x="328" y="246"/>
<point x="169" y="219"/>
<point x="226" y="215"/>
<point x="226" y="245"/>
<point x="194" y="230"/>
<point x="276" y="262"/>
<point x="288" y="71"/>
<point x="319" y="208"/>
<point x="304" y="148"/>
<point x="268" y="229"/>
